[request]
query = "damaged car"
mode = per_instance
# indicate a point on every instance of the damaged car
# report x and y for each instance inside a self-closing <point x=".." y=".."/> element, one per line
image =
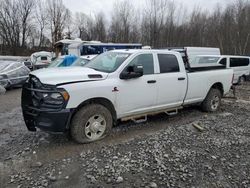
<point x="13" y="74"/>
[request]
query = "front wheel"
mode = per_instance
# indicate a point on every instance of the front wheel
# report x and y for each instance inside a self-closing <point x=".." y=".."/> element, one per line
<point x="91" y="123"/>
<point x="213" y="101"/>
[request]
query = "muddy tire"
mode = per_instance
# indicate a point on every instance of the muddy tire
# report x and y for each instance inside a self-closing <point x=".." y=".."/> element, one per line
<point x="242" y="79"/>
<point x="91" y="123"/>
<point x="213" y="101"/>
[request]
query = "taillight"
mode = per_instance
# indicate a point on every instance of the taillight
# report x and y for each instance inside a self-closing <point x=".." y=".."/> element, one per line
<point x="232" y="80"/>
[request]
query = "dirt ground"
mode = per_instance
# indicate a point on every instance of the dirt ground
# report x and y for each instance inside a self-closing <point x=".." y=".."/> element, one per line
<point x="167" y="151"/>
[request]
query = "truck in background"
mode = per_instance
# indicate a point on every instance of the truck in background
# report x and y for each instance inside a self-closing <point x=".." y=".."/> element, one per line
<point x="61" y="47"/>
<point x="41" y="59"/>
<point x="239" y="64"/>
<point x="96" y="48"/>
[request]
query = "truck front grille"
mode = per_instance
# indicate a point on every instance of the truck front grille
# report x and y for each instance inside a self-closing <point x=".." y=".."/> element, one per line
<point x="36" y="91"/>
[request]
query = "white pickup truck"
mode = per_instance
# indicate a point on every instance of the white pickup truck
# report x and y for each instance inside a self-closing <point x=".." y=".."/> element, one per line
<point x="118" y="85"/>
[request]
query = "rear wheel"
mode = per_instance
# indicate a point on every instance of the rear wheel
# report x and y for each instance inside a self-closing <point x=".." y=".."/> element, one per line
<point x="242" y="79"/>
<point x="213" y="101"/>
<point x="91" y="123"/>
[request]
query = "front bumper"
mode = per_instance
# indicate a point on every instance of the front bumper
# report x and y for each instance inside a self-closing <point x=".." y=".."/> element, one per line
<point x="54" y="122"/>
<point x="49" y="120"/>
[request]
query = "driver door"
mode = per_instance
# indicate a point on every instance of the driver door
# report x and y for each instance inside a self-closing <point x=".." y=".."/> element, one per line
<point x="137" y="95"/>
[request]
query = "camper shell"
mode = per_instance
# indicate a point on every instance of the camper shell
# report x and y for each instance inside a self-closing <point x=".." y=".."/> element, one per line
<point x="188" y="53"/>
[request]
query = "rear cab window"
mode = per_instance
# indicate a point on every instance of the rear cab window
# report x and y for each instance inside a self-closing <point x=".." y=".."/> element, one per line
<point x="168" y="63"/>
<point x="44" y="58"/>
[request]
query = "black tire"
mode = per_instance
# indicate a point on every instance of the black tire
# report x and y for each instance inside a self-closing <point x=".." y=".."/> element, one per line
<point x="241" y="80"/>
<point x="81" y="121"/>
<point x="213" y="101"/>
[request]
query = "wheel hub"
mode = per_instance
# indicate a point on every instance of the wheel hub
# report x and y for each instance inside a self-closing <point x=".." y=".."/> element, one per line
<point x="95" y="127"/>
<point x="215" y="102"/>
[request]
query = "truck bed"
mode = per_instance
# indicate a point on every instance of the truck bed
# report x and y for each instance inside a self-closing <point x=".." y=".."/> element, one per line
<point x="201" y="79"/>
<point x="205" y="67"/>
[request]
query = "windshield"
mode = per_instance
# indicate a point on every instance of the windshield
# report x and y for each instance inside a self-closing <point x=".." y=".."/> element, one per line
<point x="56" y="62"/>
<point x="6" y="67"/>
<point x="205" y="60"/>
<point x="80" y="62"/>
<point x="108" y="62"/>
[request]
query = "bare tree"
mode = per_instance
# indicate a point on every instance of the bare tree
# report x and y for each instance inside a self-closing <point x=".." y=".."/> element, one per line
<point x="41" y="20"/>
<point x="9" y="24"/>
<point x="100" y="28"/>
<point x="155" y="14"/>
<point x="85" y="26"/>
<point x="242" y="20"/>
<point x="80" y="23"/>
<point x="58" y="15"/>
<point x="121" y="22"/>
<point x="25" y="8"/>
<point x="69" y="29"/>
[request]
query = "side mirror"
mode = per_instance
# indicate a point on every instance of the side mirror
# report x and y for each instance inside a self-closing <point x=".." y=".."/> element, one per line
<point x="131" y="72"/>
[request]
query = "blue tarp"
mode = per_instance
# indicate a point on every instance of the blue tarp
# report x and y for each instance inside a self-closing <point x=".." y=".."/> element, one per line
<point x="68" y="60"/>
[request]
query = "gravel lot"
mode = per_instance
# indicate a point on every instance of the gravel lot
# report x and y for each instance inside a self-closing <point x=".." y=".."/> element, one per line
<point x="164" y="152"/>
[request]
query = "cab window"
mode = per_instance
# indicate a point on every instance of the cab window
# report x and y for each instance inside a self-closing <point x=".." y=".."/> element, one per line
<point x="146" y="60"/>
<point x="223" y="61"/>
<point x="239" y="62"/>
<point x="44" y="58"/>
<point x="168" y="63"/>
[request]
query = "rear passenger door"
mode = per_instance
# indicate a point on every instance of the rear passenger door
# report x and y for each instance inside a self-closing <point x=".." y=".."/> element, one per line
<point x="171" y="81"/>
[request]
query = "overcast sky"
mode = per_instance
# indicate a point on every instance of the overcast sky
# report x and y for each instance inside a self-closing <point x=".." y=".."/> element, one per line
<point x="94" y="6"/>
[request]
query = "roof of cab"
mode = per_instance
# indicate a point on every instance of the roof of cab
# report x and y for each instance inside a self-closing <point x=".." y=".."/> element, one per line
<point x="133" y="51"/>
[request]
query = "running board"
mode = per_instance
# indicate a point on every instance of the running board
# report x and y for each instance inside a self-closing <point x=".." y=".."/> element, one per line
<point x="142" y="120"/>
<point x="143" y="117"/>
<point x="172" y="113"/>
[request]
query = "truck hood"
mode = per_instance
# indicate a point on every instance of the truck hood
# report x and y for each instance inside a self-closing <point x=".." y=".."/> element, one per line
<point x="55" y="76"/>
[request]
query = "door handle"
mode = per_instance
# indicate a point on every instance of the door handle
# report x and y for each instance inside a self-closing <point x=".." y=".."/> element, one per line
<point x="182" y="78"/>
<point x="151" y="81"/>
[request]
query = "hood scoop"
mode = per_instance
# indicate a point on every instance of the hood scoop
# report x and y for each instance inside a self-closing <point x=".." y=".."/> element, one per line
<point x="94" y="76"/>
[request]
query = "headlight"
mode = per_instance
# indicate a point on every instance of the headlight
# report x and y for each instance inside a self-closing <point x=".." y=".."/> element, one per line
<point x="57" y="98"/>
